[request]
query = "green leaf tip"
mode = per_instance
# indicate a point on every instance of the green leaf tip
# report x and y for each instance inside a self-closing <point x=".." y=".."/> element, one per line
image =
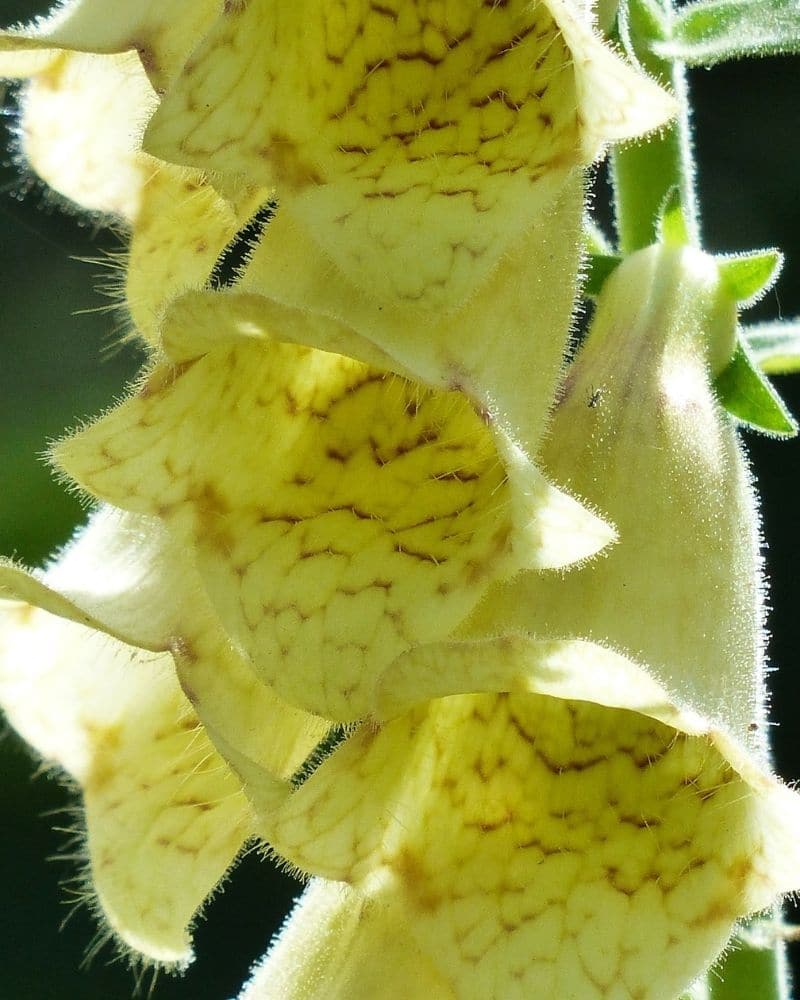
<point x="711" y="31"/>
<point x="748" y="276"/>
<point x="775" y="347"/>
<point x="747" y="395"/>
<point x="594" y="239"/>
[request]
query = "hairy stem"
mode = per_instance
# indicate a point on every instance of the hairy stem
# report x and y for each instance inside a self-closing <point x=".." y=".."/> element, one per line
<point x="644" y="172"/>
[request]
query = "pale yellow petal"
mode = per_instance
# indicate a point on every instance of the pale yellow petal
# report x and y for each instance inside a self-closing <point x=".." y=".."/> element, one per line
<point x="165" y="817"/>
<point x="200" y="321"/>
<point x="111" y="577"/>
<point x="503" y="346"/>
<point x="340" y="942"/>
<point x="82" y="116"/>
<point x="338" y="514"/>
<point x="256" y="732"/>
<point x="22" y="63"/>
<point x="161" y="32"/>
<point x="124" y="576"/>
<point x="182" y="226"/>
<point x="539" y="844"/>
<point x="551" y="528"/>
<point x="415" y="148"/>
<point x="616" y="101"/>
<point x="19" y="584"/>
<point x="317" y="59"/>
<point x="570" y="669"/>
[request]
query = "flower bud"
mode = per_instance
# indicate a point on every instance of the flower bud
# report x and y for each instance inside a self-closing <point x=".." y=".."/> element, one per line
<point x="639" y="434"/>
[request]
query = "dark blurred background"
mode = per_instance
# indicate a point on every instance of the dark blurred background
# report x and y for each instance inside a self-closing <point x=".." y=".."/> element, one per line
<point x="61" y="361"/>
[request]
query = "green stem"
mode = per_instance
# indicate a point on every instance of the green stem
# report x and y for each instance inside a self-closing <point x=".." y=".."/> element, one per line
<point x="643" y="173"/>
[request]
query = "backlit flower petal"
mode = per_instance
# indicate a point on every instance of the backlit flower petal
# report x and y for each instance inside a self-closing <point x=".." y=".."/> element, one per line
<point x="81" y="117"/>
<point x="338" y="514"/>
<point x="340" y="942"/>
<point x="182" y="226"/>
<point x="165" y="816"/>
<point x="503" y="347"/>
<point x="530" y="841"/>
<point x="415" y="143"/>
<point x="162" y="32"/>
<point x="125" y="577"/>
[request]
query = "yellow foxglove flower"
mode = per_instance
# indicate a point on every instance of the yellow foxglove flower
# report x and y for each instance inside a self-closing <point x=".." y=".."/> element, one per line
<point x="327" y="511"/>
<point x="572" y="833"/>
<point x="164" y="815"/>
<point x="88" y="677"/>
<point x="415" y="142"/>
<point x="592" y="824"/>
<point x="424" y="158"/>
<point x="503" y="348"/>
<point x="419" y="155"/>
<point x="339" y="515"/>
<point x="413" y="120"/>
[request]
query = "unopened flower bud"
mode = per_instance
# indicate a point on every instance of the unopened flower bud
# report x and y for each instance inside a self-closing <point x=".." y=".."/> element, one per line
<point x="640" y="434"/>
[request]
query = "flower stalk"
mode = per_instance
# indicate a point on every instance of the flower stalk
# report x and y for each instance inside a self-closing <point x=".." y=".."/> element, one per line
<point x="644" y="173"/>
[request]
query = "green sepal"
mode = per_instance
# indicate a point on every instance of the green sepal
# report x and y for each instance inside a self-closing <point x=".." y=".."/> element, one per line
<point x="671" y="226"/>
<point x="712" y="31"/>
<point x="599" y="267"/>
<point x="775" y="347"/>
<point x="641" y="23"/>
<point x="754" y="968"/>
<point x="747" y="395"/>
<point x="747" y="276"/>
<point x="594" y="239"/>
